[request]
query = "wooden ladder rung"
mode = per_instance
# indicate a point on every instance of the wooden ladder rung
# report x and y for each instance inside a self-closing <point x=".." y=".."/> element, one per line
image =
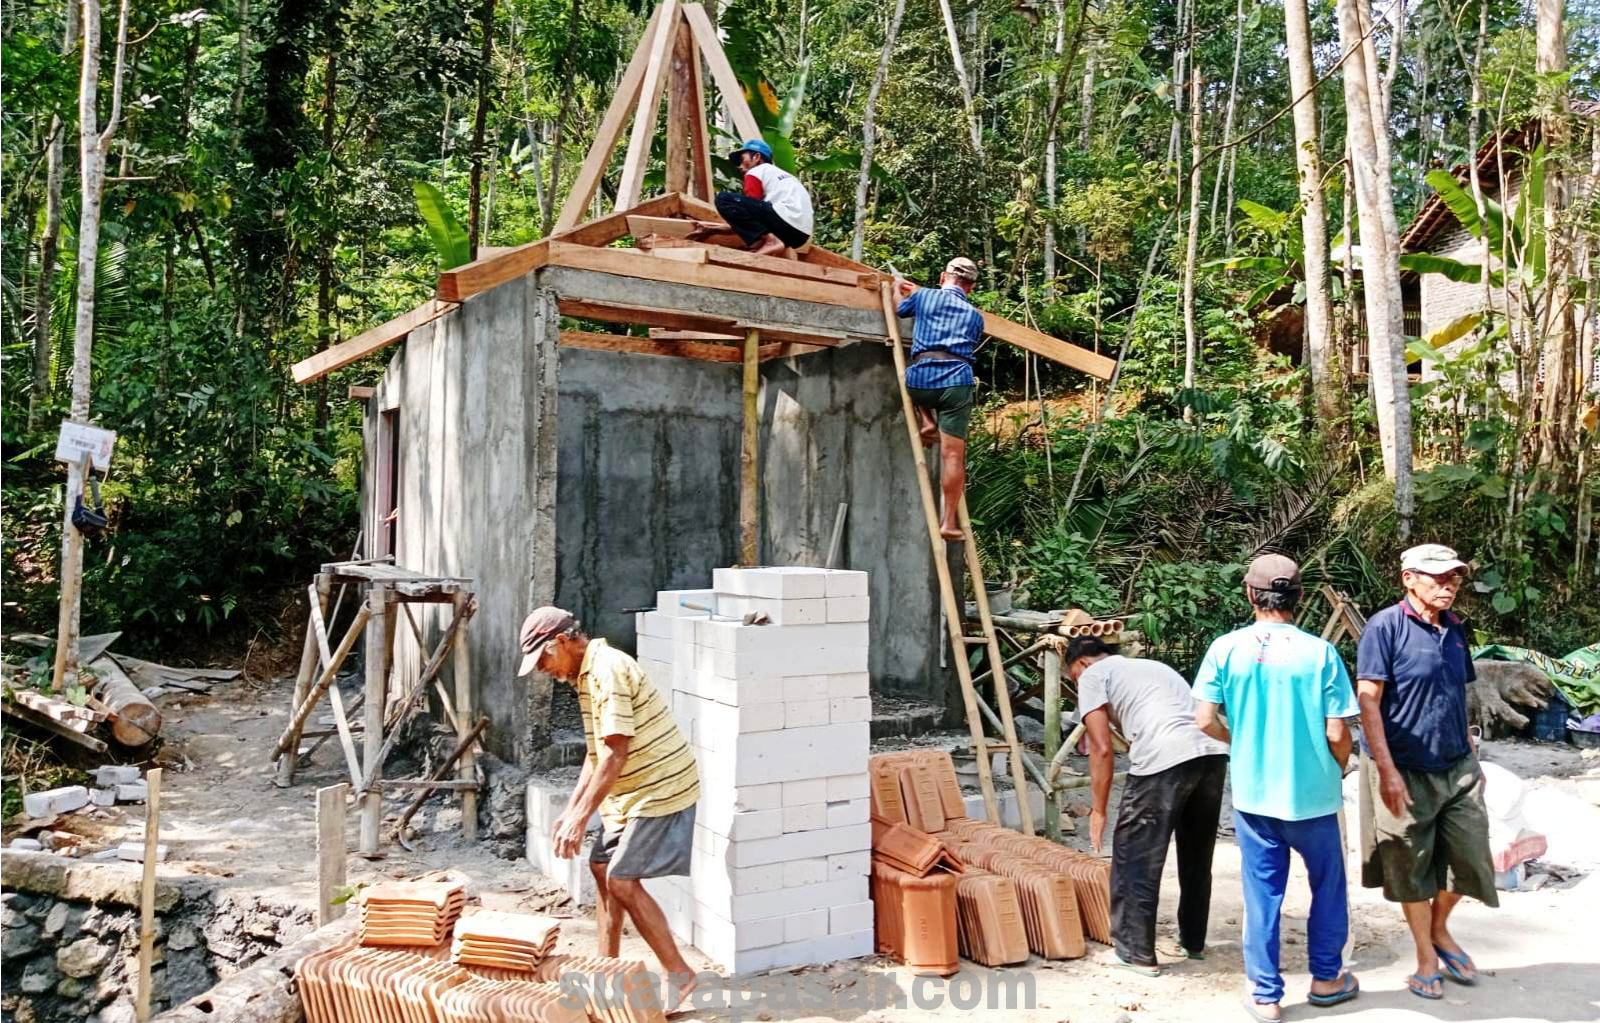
<point x="975" y="639"/>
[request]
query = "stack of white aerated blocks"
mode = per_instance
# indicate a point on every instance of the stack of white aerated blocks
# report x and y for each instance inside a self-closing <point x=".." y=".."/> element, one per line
<point x="779" y="718"/>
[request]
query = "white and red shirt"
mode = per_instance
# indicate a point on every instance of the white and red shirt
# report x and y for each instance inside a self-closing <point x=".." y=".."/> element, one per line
<point x="784" y="191"/>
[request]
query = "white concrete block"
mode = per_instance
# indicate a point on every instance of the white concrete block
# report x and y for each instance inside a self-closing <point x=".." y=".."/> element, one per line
<point x="63" y="800"/>
<point x="654" y="648"/>
<point x="758" y="933"/>
<point x="849" y="864"/>
<point x="652" y="623"/>
<point x="812" y="871"/>
<point x="103" y="797"/>
<point x="787" y="901"/>
<point x="670" y="602"/>
<point x="804" y="713"/>
<point x="760" y="797"/>
<point x="848" y="945"/>
<point x="842" y="582"/>
<point x="846" y="812"/>
<point x="848" y="609"/>
<point x="850" y="708"/>
<point x="828" y="949"/>
<point x="797" y="753"/>
<point x="801" y="845"/>
<point x="757" y="824"/>
<point x="849" y="786"/>
<point x="714" y="941"/>
<point x="779" y="612"/>
<point x="848" y="685"/>
<point x="544" y="802"/>
<point x="782" y="641"/>
<point x="1008" y="806"/>
<point x="813" y="923"/>
<point x="766" y="877"/>
<point x="133" y="852"/>
<point x="26" y="845"/>
<point x="806" y="817"/>
<point x="809" y="790"/>
<point x="108" y="775"/>
<point x="787" y="583"/>
<point x="855" y="916"/>
<point x="132" y="792"/>
<point x="804" y="687"/>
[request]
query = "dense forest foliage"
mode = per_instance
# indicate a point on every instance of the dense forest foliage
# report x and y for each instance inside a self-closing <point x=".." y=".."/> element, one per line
<point x="1123" y="170"/>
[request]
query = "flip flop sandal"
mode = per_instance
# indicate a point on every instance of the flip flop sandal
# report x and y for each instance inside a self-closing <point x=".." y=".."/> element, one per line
<point x="1349" y="990"/>
<point x="1253" y="1007"/>
<point x="1457" y="965"/>
<point x="1143" y="971"/>
<point x="1418" y="985"/>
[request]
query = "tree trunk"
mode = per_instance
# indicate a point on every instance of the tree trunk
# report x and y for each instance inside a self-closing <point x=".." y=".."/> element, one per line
<point x="93" y="144"/>
<point x="1556" y="324"/>
<point x="869" y="130"/>
<point x="974" y="126"/>
<point x="1050" y="190"/>
<point x="1369" y="159"/>
<point x="330" y="87"/>
<point x="45" y="292"/>
<point x="567" y="88"/>
<point x="1230" y="155"/>
<point x="1191" y="334"/>
<point x="480" y="119"/>
<point x="1326" y="388"/>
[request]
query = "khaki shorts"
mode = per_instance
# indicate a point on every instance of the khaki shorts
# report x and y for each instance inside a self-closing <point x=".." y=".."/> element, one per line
<point x="1440" y="841"/>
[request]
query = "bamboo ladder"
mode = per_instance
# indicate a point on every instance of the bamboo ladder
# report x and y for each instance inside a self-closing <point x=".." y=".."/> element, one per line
<point x="982" y="745"/>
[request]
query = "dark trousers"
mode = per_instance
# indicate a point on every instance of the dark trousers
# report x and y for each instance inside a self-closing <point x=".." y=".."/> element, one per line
<point x="1186" y="799"/>
<point x="754" y="219"/>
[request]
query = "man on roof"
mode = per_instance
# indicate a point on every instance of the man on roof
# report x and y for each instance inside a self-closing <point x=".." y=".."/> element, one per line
<point x="772" y="215"/>
<point x="940" y="377"/>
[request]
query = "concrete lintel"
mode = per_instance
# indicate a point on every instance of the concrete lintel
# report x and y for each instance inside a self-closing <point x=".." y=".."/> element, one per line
<point x="788" y="313"/>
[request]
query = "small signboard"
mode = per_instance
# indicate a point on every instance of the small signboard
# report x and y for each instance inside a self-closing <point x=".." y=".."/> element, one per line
<point x="79" y="439"/>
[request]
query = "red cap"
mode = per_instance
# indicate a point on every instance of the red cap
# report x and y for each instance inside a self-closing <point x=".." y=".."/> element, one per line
<point x="539" y="628"/>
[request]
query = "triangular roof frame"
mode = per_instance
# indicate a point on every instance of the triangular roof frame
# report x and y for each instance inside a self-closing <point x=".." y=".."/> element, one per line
<point x="667" y="64"/>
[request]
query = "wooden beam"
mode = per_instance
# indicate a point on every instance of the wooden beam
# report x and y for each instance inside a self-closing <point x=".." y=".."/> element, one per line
<point x="147" y="892"/>
<point x="664" y="334"/>
<point x="1051" y="348"/>
<point x="359" y="393"/>
<point x="702" y="350"/>
<point x="721" y="71"/>
<point x="649" y="108"/>
<point x="51" y="725"/>
<point x="485" y="272"/>
<point x="607" y="229"/>
<point x="719" y="255"/>
<point x="635" y="263"/>
<point x="367" y="342"/>
<point x="749" y="516"/>
<point x="701" y="209"/>
<point x="331" y="855"/>
<point x="666" y="227"/>
<point x="672" y="319"/>
<point x="700" y="179"/>
<point x="679" y="108"/>
<point x="605" y="139"/>
<point x="788" y="349"/>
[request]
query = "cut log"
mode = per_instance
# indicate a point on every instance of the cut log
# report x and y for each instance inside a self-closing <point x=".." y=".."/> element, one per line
<point x="134" y="719"/>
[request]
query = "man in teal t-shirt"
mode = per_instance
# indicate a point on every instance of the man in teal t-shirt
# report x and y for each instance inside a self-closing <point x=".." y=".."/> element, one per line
<point x="1286" y="696"/>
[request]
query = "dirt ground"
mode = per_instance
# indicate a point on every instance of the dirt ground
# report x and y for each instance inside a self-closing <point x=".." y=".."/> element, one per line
<point x="1539" y="952"/>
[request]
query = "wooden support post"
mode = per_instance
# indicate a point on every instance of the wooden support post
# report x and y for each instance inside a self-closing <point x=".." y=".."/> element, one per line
<point x="649" y="108"/>
<point x="147" y="892"/>
<point x="289" y="741"/>
<point x="464" y="709"/>
<point x="749" y="550"/>
<point x="1052" y="737"/>
<point x="377" y="661"/>
<point x="700" y="179"/>
<point x="330" y="851"/>
<point x="309" y="655"/>
<point x="679" y="89"/>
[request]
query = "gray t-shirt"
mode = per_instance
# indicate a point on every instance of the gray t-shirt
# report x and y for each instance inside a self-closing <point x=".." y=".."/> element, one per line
<point x="1153" y="708"/>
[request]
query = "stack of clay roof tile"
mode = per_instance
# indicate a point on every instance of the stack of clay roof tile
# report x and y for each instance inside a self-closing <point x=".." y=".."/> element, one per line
<point x="619" y="990"/>
<point x="990" y="922"/>
<point x="354" y="984"/>
<point x="480" y="1000"/>
<point x="410" y="913"/>
<point x="503" y="941"/>
<point x="916" y="917"/>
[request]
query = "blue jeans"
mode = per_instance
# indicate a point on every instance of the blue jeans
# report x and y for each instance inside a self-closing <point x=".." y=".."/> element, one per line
<point x="1264" y="845"/>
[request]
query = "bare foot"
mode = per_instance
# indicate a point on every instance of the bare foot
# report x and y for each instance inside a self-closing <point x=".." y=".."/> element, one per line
<point x="681" y="995"/>
<point x="951" y="532"/>
<point x="929" y="435"/>
<point x="769" y="245"/>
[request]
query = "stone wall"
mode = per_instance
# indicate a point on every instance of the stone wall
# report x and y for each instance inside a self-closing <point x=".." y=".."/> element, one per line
<point x="71" y="938"/>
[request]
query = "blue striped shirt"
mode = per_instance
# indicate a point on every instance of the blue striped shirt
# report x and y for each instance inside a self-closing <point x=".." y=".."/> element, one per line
<point x="947" y="321"/>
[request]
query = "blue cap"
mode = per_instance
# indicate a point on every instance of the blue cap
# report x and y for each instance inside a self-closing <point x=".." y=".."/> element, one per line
<point x="753" y="146"/>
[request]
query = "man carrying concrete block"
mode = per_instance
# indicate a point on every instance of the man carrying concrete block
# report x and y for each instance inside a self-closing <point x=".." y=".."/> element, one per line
<point x="638" y="772"/>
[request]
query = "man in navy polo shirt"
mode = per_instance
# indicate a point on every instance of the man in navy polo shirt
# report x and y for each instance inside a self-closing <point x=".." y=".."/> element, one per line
<point x="940" y="377"/>
<point x="1424" y="832"/>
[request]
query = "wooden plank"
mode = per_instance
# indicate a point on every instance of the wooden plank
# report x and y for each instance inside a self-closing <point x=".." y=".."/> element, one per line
<point x="635" y="263"/>
<point x="454" y="785"/>
<point x="695" y="323"/>
<point x="701" y="209"/>
<point x="649" y="346"/>
<point x="147" y="893"/>
<point x="689" y="254"/>
<point x="289" y="740"/>
<point x="663" y="334"/>
<point x="701" y="182"/>
<point x="49" y="724"/>
<point x="357" y="392"/>
<point x="818" y="256"/>
<point x="1054" y="349"/>
<point x="679" y="110"/>
<point x="649" y="107"/>
<point x="721" y="71"/>
<point x="749" y="515"/>
<point x="789" y="349"/>
<point x="667" y="227"/>
<point x="720" y="255"/>
<point x="485" y="272"/>
<point x="369" y="341"/>
<point x="331" y="853"/>
<point x="610" y="130"/>
<point x="947" y="595"/>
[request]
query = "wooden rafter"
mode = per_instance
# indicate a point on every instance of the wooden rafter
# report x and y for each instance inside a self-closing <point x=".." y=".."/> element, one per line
<point x="656" y="71"/>
<point x="367" y="342"/>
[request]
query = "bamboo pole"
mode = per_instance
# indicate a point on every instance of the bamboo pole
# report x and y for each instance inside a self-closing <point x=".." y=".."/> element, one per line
<point x="309" y="655"/>
<point x="372" y="741"/>
<point x="147" y="892"/>
<point x="463" y="680"/>
<point x="748" y="516"/>
<point x="1052" y="737"/>
<point x="290" y="739"/>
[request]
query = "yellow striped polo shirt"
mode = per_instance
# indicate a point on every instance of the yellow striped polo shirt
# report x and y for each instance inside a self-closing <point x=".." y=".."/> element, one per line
<point x="615" y="698"/>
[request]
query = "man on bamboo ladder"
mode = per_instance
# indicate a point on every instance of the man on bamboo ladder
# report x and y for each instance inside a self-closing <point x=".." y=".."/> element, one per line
<point x="772" y="215"/>
<point x="940" y="377"/>
<point x="639" y="773"/>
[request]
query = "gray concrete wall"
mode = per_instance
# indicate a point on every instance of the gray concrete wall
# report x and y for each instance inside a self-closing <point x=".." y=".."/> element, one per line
<point x="476" y="394"/>
<point x="649" y="491"/>
<point x="832" y="431"/>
